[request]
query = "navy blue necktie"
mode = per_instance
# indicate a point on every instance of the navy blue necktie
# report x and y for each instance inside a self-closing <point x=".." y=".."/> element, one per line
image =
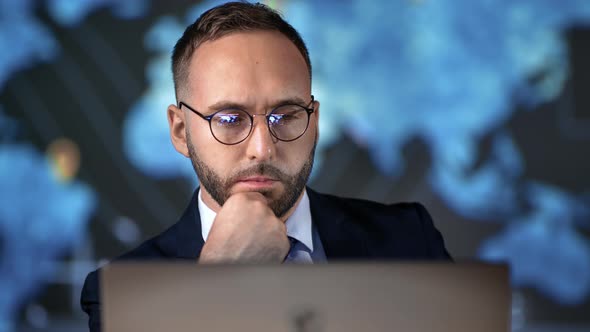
<point x="297" y="253"/>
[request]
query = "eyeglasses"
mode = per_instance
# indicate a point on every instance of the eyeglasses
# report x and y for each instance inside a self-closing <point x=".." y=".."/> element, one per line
<point x="231" y="126"/>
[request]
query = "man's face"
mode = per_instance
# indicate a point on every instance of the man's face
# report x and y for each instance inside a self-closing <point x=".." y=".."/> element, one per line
<point x="257" y="71"/>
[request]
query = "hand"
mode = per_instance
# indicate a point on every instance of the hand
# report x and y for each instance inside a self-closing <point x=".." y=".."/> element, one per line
<point x="246" y="231"/>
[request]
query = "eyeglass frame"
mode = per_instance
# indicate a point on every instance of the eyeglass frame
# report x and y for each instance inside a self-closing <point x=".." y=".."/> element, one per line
<point x="309" y="110"/>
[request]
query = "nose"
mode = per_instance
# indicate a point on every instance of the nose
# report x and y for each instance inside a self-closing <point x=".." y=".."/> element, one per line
<point x="261" y="145"/>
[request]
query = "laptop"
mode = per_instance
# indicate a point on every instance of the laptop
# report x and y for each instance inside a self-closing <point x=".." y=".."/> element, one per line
<point x="342" y="297"/>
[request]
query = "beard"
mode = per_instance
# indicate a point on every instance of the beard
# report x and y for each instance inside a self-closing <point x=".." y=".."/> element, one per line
<point x="219" y="188"/>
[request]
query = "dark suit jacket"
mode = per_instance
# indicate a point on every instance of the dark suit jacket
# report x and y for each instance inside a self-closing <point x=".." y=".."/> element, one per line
<point x="350" y="229"/>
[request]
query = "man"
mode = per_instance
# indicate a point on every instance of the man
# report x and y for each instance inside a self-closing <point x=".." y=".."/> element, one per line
<point x="246" y="118"/>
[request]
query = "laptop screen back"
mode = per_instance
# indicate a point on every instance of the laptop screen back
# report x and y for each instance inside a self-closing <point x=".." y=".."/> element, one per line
<point x="323" y="297"/>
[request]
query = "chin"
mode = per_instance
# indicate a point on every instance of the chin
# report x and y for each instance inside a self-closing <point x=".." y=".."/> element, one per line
<point x="269" y="192"/>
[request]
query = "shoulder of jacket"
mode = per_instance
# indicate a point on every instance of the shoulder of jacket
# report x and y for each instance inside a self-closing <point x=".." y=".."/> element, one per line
<point x="360" y="205"/>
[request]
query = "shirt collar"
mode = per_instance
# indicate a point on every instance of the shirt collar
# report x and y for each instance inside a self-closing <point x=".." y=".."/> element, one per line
<point x="298" y="224"/>
<point x="207" y="217"/>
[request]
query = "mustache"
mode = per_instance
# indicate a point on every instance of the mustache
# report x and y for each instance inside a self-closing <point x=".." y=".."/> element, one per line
<point x="259" y="169"/>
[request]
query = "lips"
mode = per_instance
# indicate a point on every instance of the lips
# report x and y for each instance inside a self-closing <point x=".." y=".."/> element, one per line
<point x="256" y="179"/>
<point x="256" y="182"/>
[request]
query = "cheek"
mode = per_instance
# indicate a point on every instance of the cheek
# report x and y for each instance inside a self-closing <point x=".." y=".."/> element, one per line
<point x="297" y="152"/>
<point x="200" y="132"/>
<point x="207" y="148"/>
<point x="220" y="158"/>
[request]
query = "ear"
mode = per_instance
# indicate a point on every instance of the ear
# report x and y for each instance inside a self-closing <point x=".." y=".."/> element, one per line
<point x="177" y="124"/>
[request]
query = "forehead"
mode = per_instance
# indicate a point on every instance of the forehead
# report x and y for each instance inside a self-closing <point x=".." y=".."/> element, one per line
<point x="248" y="67"/>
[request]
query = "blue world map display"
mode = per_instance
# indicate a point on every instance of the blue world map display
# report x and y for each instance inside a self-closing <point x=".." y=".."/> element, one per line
<point x="446" y="72"/>
<point x="41" y="213"/>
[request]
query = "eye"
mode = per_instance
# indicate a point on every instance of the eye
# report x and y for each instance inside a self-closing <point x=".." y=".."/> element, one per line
<point x="287" y="114"/>
<point x="229" y="118"/>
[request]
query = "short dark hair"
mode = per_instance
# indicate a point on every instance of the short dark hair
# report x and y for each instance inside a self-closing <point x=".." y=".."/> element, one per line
<point x="225" y="19"/>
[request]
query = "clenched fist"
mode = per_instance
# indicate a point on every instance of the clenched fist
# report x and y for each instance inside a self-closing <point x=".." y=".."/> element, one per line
<point x="246" y="231"/>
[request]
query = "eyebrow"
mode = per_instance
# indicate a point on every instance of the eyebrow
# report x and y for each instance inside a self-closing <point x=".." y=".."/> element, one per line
<point x="226" y="104"/>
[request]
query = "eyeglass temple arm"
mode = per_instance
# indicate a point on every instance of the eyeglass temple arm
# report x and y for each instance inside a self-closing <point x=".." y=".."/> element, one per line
<point x="180" y="104"/>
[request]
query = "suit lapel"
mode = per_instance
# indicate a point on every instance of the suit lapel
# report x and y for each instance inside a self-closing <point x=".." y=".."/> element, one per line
<point x="184" y="240"/>
<point x="342" y="236"/>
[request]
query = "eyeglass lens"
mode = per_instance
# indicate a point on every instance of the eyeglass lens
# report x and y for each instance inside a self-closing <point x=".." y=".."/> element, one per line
<point x="286" y="123"/>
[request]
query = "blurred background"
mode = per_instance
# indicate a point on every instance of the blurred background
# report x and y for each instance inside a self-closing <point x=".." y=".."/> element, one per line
<point x="479" y="109"/>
